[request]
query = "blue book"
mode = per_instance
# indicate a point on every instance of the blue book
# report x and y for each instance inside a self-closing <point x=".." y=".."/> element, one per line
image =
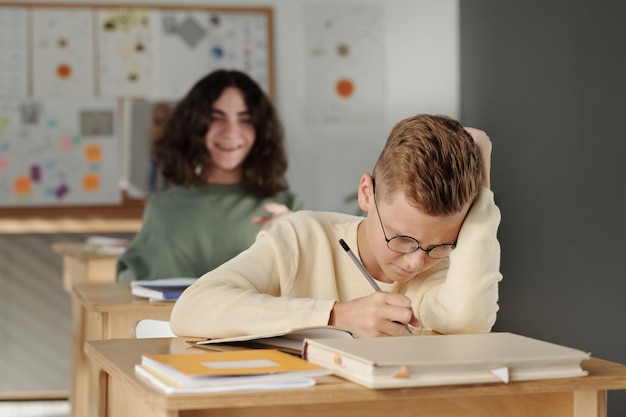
<point x="168" y="289"/>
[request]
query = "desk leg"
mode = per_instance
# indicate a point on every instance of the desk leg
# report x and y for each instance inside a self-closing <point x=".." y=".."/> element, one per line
<point x="102" y="394"/>
<point x="94" y="382"/>
<point x="79" y="366"/>
<point x="590" y="403"/>
<point x="122" y="400"/>
<point x="105" y="326"/>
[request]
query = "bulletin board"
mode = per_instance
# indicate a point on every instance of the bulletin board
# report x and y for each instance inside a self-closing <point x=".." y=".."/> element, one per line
<point x="68" y="70"/>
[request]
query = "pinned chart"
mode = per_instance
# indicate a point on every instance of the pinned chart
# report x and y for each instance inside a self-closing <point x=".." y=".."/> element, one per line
<point x="62" y="53"/>
<point x="14" y="56"/>
<point x="58" y="152"/>
<point x="229" y="40"/>
<point x="344" y="56"/>
<point x="128" y="51"/>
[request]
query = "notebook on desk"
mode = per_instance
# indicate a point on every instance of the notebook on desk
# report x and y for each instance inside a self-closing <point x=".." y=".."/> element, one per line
<point x="259" y="369"/>
<point x="412" y="361"/>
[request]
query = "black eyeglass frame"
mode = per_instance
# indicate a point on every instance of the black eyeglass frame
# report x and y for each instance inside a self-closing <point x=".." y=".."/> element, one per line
<point x="428" y="251"/>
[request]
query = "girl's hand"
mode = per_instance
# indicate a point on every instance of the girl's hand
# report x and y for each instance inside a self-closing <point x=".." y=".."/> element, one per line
<point x="278" y="211"/>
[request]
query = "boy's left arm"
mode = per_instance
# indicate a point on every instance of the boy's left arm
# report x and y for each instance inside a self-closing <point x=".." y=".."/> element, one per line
<point x="464" y="297"/>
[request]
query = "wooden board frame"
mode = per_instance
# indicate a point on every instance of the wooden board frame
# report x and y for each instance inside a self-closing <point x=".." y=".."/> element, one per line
<point x="129" y="208"/>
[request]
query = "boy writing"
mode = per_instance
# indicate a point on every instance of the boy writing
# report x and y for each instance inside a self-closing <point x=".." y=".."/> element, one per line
<point x="429" y="239"/>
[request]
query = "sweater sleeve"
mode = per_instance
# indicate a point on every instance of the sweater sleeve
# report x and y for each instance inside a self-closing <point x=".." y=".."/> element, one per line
<point x="252" y="293"/>
<point x="463" y="298"/>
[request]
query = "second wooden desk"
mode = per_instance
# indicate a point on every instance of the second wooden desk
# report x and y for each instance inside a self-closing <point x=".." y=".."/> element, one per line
<point x="107" y="311"/>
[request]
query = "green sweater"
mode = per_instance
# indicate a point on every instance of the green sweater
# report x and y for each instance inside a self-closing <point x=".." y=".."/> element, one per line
<point x="187" y="232"/>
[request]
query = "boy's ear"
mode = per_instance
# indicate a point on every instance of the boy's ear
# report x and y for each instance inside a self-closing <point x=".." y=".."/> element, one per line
<point x="365" y="192"/>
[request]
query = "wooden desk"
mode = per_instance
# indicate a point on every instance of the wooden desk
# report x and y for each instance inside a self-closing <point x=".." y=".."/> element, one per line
<point x="126" y="395"/>
<point x="82" y="265"/>
<point x="106" y="311"/>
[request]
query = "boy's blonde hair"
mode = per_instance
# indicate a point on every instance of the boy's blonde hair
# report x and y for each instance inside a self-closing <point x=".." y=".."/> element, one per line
<point x="433" y="161"/>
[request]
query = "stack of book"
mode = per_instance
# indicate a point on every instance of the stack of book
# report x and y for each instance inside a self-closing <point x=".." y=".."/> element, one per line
<point x="236" y="370"/>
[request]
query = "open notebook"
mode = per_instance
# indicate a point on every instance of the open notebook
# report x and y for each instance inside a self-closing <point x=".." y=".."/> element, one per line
<point x="289" y="341"/>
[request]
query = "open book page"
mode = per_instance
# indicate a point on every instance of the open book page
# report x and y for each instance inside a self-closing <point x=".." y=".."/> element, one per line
<point x="288" y="340"/>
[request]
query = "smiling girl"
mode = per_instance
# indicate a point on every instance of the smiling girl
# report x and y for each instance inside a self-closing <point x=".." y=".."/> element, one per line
<point x="223" y="152"/>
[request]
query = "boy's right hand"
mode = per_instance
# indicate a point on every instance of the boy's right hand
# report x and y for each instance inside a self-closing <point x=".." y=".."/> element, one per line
<point x="378" y="314"/>
<point x="484" y="147"/>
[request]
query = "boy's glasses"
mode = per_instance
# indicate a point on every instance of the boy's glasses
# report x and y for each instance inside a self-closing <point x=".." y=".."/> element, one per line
<point x="407" y="244"/>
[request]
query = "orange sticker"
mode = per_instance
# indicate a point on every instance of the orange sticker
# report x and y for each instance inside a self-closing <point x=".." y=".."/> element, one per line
<point x="64" y="70"/>
<point x="91" y="182"/>
<point x="22" y="185"/>
<point x="344" y="87"/>
<point x="93" y="153"/>
<point x="402" y="373"/>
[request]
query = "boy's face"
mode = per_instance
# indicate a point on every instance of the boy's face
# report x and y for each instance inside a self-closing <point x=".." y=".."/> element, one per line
<point x="399" y="218"/>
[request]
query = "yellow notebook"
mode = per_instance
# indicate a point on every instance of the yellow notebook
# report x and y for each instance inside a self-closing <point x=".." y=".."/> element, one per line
<point x="219" y="371"/>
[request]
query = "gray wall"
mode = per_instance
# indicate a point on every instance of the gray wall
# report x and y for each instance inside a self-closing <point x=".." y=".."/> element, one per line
<point x="546" y="80"/>
<point x="35" y="316"/>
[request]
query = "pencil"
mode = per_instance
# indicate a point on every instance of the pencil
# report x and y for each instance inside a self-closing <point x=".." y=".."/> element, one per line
<point x="358" y="263"/>
<point x="367" y="275"/>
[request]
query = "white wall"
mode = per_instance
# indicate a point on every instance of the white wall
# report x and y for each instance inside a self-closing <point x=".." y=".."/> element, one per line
<point x="422" y="75"/>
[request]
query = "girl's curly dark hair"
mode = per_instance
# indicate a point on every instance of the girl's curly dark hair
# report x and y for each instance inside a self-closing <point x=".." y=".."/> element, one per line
<point x="181" y="149"/>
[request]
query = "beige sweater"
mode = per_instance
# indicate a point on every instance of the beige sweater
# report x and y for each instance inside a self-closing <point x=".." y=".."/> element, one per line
<point x="292" y="275"/>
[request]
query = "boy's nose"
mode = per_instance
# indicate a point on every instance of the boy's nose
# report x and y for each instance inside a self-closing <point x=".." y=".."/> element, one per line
<point x="416" y="259"/>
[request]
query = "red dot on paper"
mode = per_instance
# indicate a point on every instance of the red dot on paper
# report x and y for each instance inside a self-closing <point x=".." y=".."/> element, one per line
<point x="344" y="87"/>
<point x="64" y="71"/>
